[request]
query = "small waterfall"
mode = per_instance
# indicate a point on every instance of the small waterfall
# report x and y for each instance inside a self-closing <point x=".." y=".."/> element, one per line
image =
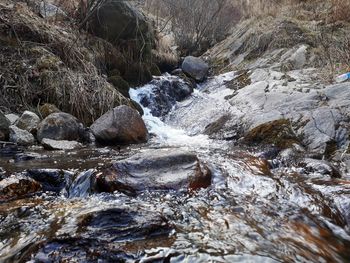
<point x="81" y="186"/>
<point x="165" y="134"/>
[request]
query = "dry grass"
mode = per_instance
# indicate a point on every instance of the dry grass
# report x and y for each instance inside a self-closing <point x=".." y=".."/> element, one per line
<point x="42" y="62"/>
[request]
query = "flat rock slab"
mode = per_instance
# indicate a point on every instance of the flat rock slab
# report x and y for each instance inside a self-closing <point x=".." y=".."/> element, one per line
<point x="60" y="145"/>
<point x="159" y="169"/>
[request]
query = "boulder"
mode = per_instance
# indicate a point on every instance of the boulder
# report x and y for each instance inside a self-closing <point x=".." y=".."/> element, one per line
<point x="122" y="125"/>
<point x="17" y="186"/>
<point x="21" y="137"/>
<point x="165" y="169"/>
<point x="4" y="127"/>
<point x="60" y="144"/>
<point x="195" y="68"/>
<point x="321" y="167"/>
<point x="115" y="20"/>
<point x="60" y="126"/>
<point x="28" y="121"/>
<point x="12" y="118"/>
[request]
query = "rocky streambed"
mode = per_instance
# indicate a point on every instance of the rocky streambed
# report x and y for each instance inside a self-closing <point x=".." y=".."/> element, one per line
<point x="210" y="185"/>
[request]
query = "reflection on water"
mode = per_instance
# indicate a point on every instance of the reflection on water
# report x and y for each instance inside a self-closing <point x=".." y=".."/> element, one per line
<point x="249" y="214"/>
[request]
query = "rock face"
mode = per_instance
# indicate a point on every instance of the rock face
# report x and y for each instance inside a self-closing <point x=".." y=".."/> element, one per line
<point x="17" y="186"/>
<point x="60" y="145"/>
<point x="122" y="125"/>
<point x="28" y="121"/>
<point x="60" y="126"/>
<point x="21" y="137"/>
<point x="4" y="127"/>
<point x="115" y="20"/>
<point x="166" y="91"/>
<point x="165" y="169"/>
<point x="195" y="68"/>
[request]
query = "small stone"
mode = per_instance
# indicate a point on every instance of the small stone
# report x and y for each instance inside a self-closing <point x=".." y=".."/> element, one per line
<point x="12" y="118"/>
<point x="28" y="121"/>
<point x="21" y="137"/>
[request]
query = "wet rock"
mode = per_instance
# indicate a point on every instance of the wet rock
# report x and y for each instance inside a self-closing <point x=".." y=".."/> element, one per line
<point x="60" y="144"/>
<point x="107" y="235"/>
<point x="195" y="68"/>
<point x="4" y="127"/>
<point x="166" y="91"/>
<point x="27" y="156"/>
<point x="59" y="126"/>
<point x="320" y="166"/>
<point x="53" y="180"/>
<point x="9" y="149"/>
<point x="278" y="133"/>
<point x="17" y="186"/>
<point x="164" y="169"/>
<point x="122" y="125"/>
<point x="47" y="109"/>
<point x="12" y="118"/>
<point x="21" y="137"/>
<point x="28" y="121"/>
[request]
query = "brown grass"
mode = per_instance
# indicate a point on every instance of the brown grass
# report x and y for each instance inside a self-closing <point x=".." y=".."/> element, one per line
<point x="42" y="62"/>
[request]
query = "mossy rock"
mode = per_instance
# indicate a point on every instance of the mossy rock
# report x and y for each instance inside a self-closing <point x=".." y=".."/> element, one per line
<point x="120" y="84"/>
<point x="47" y="109"/>
<point x="137" y="74"/>
<point x="278" y="133"/>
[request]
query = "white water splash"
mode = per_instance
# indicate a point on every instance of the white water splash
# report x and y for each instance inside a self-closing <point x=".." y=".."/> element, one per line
<point x="165" y="134"/>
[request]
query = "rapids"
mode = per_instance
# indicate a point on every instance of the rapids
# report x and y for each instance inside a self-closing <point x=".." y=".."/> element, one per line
<point x="249" y="214"/>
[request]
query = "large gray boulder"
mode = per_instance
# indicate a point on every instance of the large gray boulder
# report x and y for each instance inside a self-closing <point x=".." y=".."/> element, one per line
<point x="60" y="126"/>
<point x="4" y="127"/>
<point x="122" y="125"/>
<point x="165" y="169"/>
<point x="195" y="68"/>
<point x="117" y="20"/>
<point x="28" y="121"/>
<point x="21" y="137"/>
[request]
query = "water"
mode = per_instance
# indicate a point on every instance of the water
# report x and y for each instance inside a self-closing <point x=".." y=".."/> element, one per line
<point x="249" y="214"/>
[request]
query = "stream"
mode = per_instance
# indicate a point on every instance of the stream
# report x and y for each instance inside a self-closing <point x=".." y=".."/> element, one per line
<point x="250" y="213"/>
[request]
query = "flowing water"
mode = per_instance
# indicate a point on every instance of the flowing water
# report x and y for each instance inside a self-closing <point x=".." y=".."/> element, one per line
<point x="249" y="214"/>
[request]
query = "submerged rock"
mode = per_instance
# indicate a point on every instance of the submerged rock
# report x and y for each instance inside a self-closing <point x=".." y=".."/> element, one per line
<point x="60" y="144"/>
<point x="59" y="126"/>
<point x="28" y="121"/>
<point x="195" y="68"/>
<point x="17" y="186"/>
<point x="4" y="127"/>
<point x="110" y="234"/>
<point x="165" y="169"/>
<point x="21" y="137"/>
<point x="122" y="125"/>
